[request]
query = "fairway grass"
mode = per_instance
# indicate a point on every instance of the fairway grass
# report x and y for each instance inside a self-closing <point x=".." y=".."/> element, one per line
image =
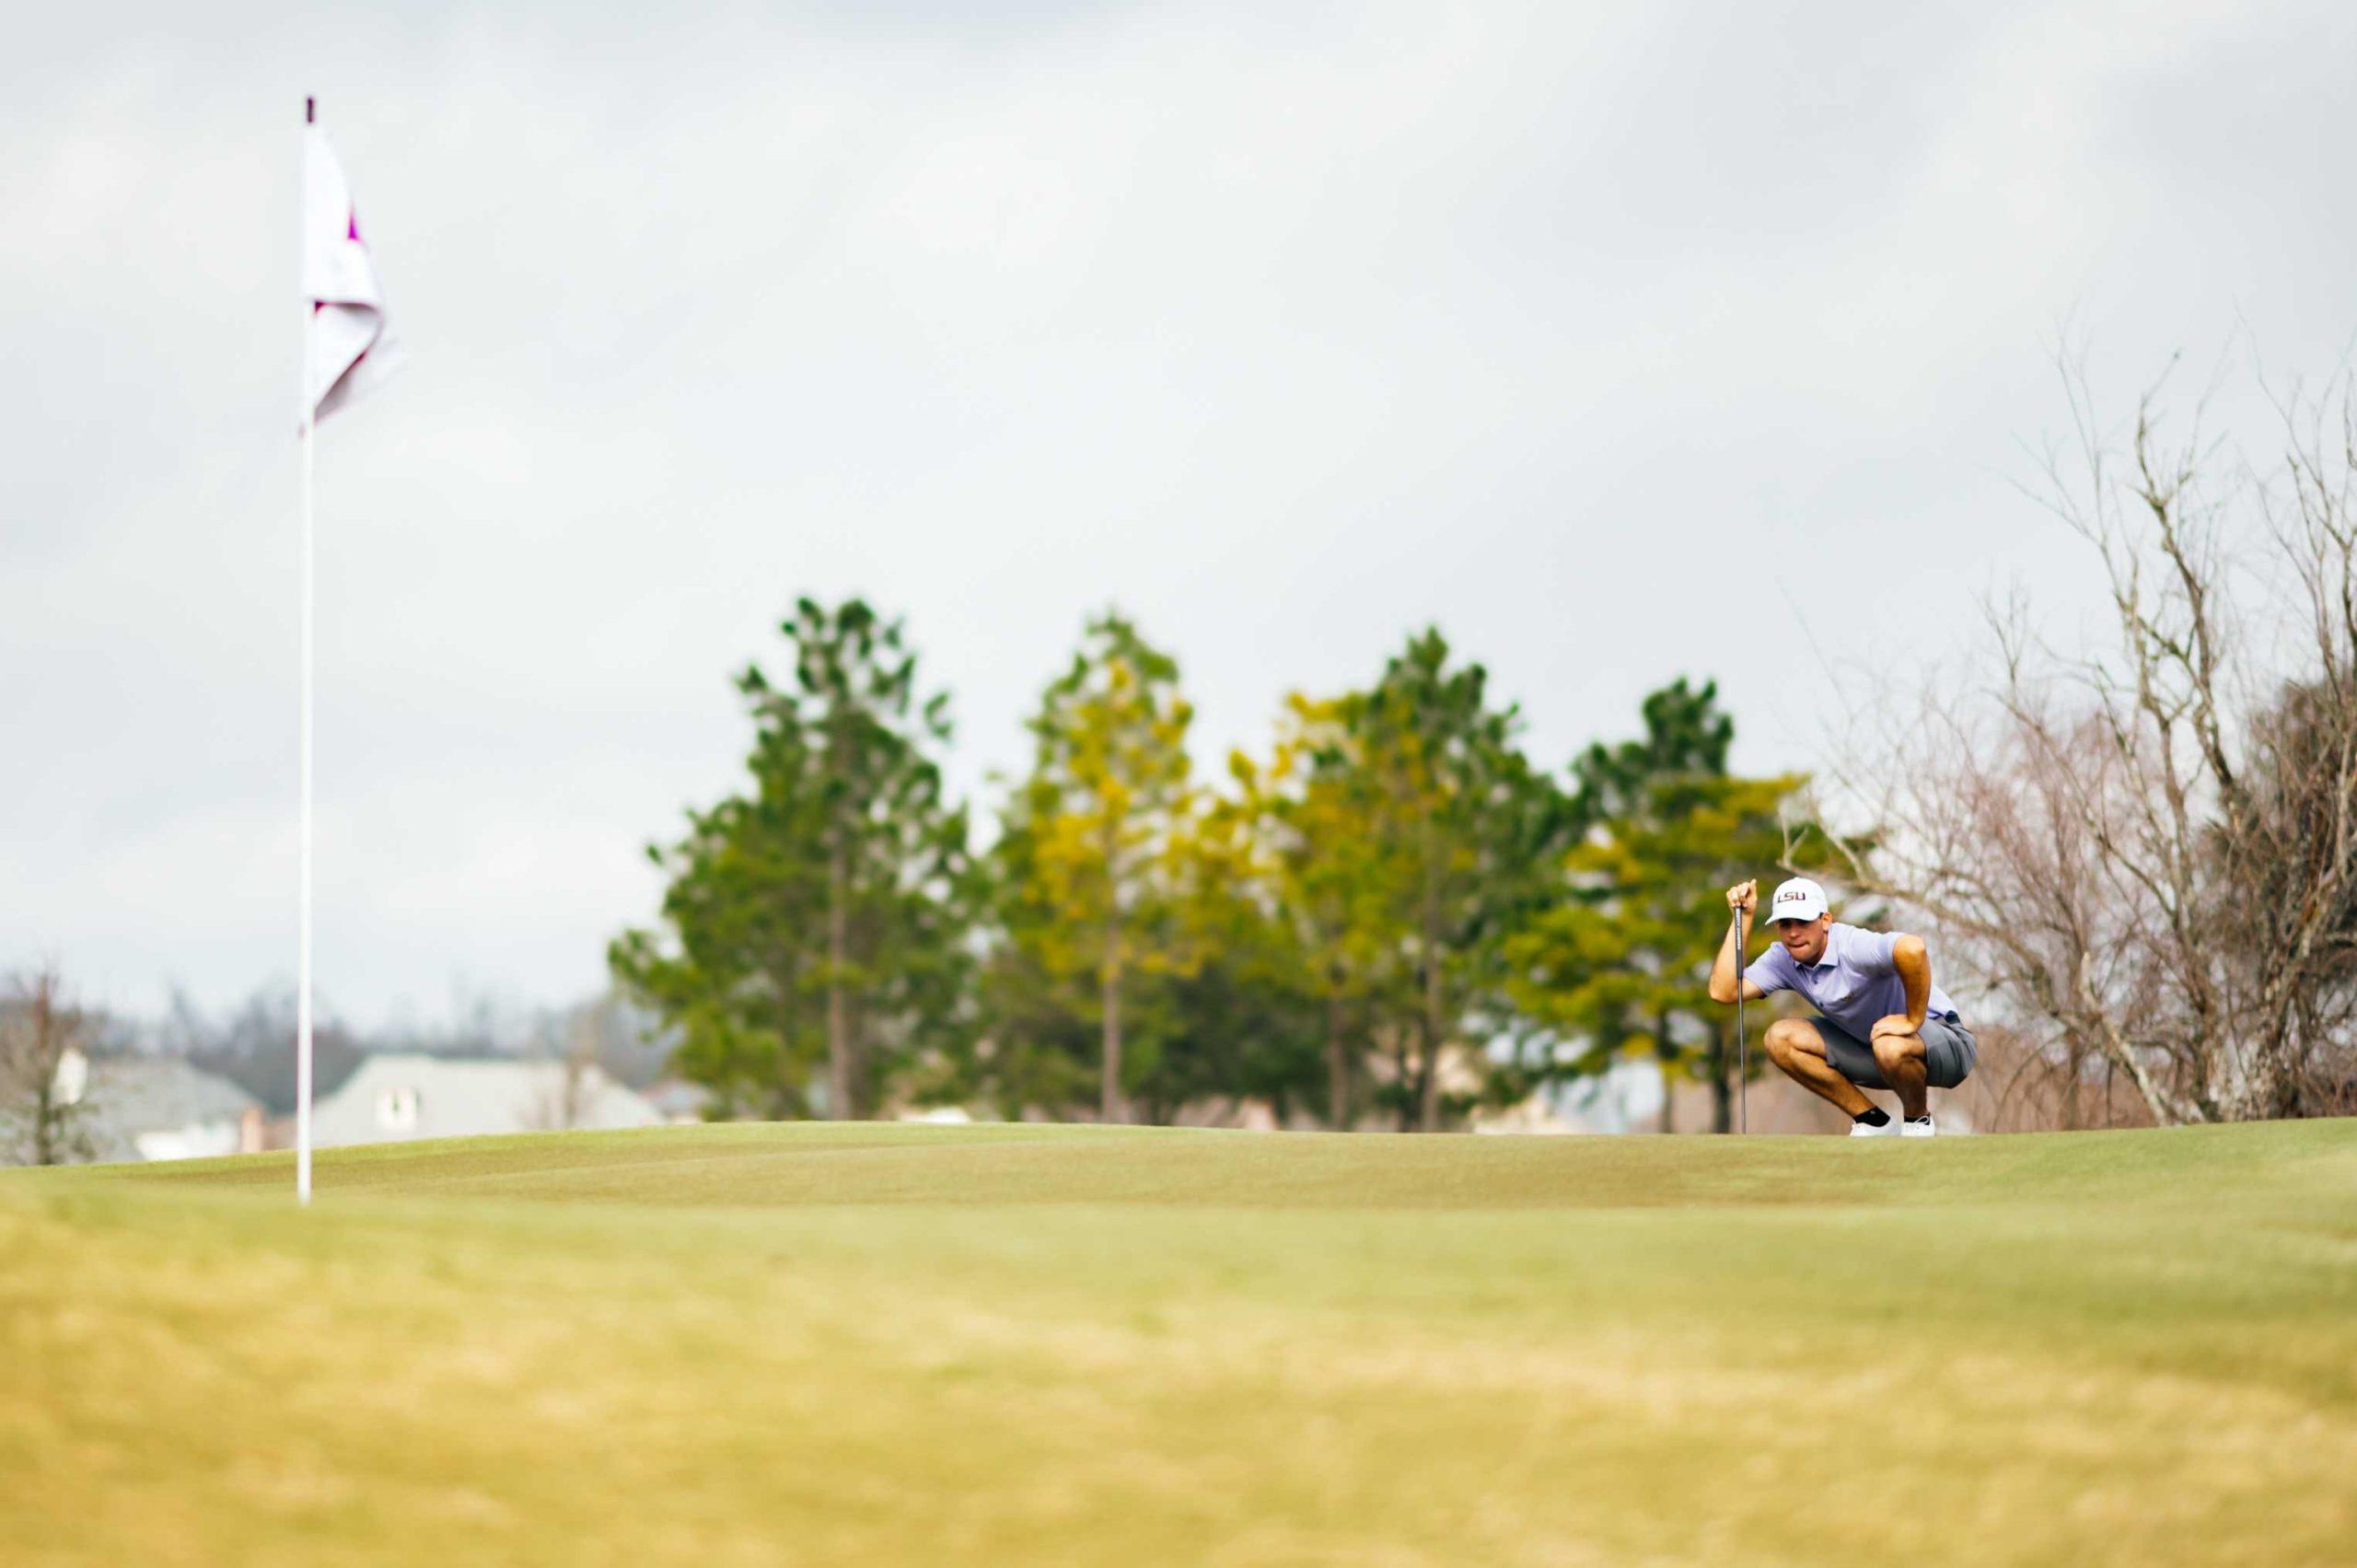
<point x="895" y="1344"/>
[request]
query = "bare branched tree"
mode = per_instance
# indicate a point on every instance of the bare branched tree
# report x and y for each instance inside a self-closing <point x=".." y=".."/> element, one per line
<point x="2151" y="857"/>
<point x="562" y="1101"/>
<point x="39" y="1029"/>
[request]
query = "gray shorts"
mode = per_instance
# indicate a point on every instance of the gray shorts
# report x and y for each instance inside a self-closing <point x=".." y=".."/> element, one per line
<point x="1949" y="1052"/>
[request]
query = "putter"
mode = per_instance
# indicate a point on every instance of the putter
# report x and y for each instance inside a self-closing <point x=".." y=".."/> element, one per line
<point x="1742" y="1043"/>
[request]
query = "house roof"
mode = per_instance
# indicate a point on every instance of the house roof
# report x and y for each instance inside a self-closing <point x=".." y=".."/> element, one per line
<point x="392" y="1098"/>
<point x="131" y="1095"/>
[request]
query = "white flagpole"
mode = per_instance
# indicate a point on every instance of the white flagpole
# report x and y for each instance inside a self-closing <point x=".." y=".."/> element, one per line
<point x="303" y="960"/>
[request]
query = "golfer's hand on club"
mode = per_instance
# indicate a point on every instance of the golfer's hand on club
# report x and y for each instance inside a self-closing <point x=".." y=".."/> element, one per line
<point x="1742" y="896"/>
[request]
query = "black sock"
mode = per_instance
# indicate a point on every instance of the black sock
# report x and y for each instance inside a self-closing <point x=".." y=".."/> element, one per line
<point x="1872" y="1116"/>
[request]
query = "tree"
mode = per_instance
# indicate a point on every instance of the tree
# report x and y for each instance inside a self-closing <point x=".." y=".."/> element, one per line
<point x="810" y="923"/>
<point x="2150" y="854"/>
<point x="564" y="1099"/>
<point x="41" y="1032"/>
<point x="1083" y="865"/>
<point x="1237" y="1014"/>
<point x="1685" y="732"/>
<point x="254" y="1046"/>
<point x="1341" y="875"/>
<point x="625" y="1041"/>
<point x="1438" y="773"/>
<point x="1619" y="965"/>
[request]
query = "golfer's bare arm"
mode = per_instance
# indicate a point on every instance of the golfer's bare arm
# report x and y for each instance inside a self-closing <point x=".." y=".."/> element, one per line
<point x="1728" y="966"/>
<point x="1913" y="961"/>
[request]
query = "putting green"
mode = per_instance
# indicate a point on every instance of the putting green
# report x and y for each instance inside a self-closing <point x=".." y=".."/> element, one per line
<point x="766" y="1344"/>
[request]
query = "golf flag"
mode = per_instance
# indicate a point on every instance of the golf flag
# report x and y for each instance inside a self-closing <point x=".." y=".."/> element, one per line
<point x="346" y="353"/>
<point x="350" y="352"/>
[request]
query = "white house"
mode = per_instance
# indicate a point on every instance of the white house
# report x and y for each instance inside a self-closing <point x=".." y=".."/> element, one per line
<point x="394" y="1099"/>
<point x="158" y="1108"/>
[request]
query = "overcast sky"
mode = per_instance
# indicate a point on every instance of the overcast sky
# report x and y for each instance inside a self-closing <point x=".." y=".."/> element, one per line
<point x="1619" y="342"/>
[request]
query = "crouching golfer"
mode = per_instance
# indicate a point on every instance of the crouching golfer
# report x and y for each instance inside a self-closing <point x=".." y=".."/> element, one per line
<point x="1881" y="1023"/>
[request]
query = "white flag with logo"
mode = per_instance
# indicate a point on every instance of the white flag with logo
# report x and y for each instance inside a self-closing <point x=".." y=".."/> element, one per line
<point x="349" y="351"/>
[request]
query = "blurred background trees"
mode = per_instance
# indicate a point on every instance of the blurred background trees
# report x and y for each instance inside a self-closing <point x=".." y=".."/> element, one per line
<point x="1369" y="925"/>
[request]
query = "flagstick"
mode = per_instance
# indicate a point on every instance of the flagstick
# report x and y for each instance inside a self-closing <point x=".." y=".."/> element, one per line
<point x="303" y="960"/>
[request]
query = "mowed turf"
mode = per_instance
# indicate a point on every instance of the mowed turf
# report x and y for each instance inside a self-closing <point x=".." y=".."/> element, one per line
<point x="883" y="1344"/>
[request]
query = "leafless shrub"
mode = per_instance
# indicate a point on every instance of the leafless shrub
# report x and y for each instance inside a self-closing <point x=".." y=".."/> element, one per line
<point x="562" y="1101"/>
<point x="2024" y="1083"/>
<point x="41" y="1114"/>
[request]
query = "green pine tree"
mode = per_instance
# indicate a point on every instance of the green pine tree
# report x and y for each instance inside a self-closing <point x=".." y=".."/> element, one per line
<point x="811" y="944"/>
<point x="1340" y="877"/>
<point x="1472" y="834"/>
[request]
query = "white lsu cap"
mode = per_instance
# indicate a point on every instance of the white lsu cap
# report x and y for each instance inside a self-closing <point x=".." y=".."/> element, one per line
<point x="1799" y="899"/>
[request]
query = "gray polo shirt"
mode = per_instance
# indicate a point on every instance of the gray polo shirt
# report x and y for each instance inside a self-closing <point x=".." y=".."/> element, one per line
<point x="1855" y="982"/>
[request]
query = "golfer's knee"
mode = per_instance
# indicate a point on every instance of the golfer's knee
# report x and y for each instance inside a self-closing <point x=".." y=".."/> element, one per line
<point x="1789" y="1037"/>
<point x="1893" y="1050"/>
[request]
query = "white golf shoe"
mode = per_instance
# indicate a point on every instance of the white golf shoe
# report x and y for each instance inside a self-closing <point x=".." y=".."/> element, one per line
<point x="1861" y="1130"/>
<point x="1916" y="1127"/>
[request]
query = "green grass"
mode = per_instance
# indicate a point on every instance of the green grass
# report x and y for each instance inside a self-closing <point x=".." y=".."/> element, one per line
<point x="877" y="1344"/>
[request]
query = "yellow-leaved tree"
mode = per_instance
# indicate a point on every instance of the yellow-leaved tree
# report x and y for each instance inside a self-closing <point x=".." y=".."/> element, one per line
<point x="1086" y="861"/>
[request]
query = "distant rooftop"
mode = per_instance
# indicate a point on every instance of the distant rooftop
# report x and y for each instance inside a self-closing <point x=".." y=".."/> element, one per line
<point x="147" y="1107"/>
<point x="392" y="1098"/>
